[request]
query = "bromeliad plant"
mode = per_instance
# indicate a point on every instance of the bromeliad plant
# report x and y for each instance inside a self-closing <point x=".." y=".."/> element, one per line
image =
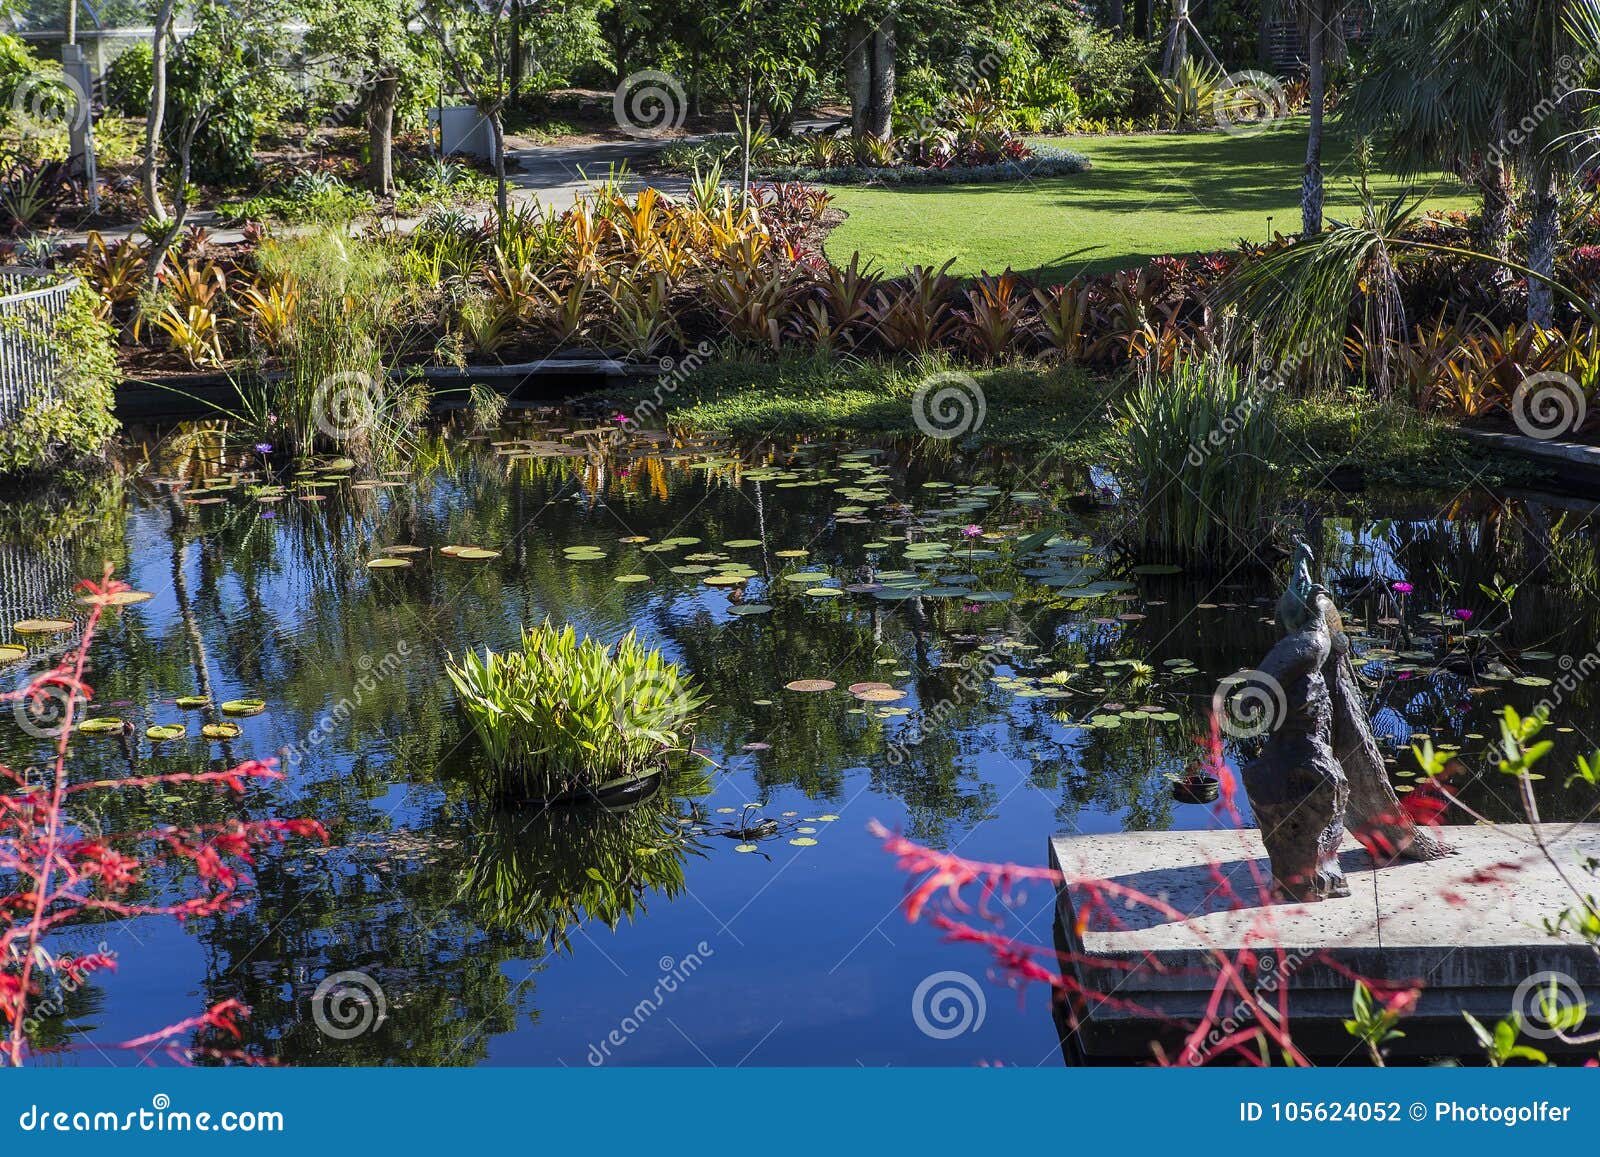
<point x="567" y="716"/>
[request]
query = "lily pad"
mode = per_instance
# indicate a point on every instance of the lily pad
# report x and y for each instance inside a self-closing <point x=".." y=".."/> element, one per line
<point x="41" y="626"/>
<point x="880" y="695"/>
<point x="388" y="562"/>
<point x="810" y="685"/>
<point x="10" y="652"/>
<point x="223" y="730"/>
<point x="191" y="702"/>
<point x="163" y="731"/>
<point x="101" y="725"/>
<point x="244" y="707"/>
<point x="120" y="599"/>
<point x="804" y="842"/>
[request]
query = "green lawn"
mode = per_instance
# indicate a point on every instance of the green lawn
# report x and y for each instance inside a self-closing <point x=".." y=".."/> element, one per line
<point x="1147" y="195"/>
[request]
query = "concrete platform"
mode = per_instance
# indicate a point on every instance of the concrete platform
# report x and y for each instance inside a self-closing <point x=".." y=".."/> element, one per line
<point x="1468" y="928"/>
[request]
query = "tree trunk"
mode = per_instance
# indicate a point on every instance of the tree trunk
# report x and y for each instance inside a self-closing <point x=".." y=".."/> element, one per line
<point x="1177" y="50"/>
<point x="883" y="48"/>
<point x="746" y="128"/>
<point x="382" y="96"/>
<point x="1494" y="220"/>
<point x="150" y="173"/>
<point x="783" y="122"/>
<point x="1311" y="177"/>
<point x="858" y="73"/>
<point x="515" y="63"/>
<point x="497" y="135"/>
<point x="1544" y="226"/>
<point x="1114" y="15"/>
<point x="161" y="244"/>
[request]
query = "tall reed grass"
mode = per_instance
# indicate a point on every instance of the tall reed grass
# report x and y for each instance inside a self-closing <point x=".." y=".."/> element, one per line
<point x="1202" y="441"/>
<point x="337" y="390"/>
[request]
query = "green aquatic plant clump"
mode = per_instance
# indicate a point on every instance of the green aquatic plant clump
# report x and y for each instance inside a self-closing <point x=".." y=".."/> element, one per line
<point x="565" y="714"/>
<point x="1204" y="446"/>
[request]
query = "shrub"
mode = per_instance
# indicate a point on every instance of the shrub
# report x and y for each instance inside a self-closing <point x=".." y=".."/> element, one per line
<point x="129" y="80"/>
<point x="217" y="76"/>
<point x="16" y="64"/>
<point x="564" y="715"/>
<point x="77" y="423"/>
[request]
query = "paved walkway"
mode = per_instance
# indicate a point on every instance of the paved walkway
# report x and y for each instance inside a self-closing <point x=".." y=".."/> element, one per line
<point x="553" y="175"/>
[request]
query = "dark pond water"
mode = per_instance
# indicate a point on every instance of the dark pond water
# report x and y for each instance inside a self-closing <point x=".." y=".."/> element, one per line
<point x="544" y="939"/>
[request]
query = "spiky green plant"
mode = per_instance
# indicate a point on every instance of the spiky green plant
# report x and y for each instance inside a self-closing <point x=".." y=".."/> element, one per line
<point x="565" y="714"/>
<point x="1301" y="297"/>
<point x="1201" y="441"/>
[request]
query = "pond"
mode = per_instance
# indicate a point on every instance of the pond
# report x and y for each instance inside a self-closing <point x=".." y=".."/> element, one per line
<point x="1023" y="680"/>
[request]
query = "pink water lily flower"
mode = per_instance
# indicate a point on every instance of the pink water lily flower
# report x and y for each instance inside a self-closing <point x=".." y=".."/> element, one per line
<point x="1463" y="614"/>
<point x="1402" y="588"/>
<point x="972" y="531"/>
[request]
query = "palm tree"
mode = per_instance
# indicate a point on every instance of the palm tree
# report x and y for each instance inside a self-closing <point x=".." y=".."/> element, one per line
<point x="1483" y="86"/>
<point x="1300" y="296"/>
<point x="1437" y="115"/>
<point x="1322" y="22"/>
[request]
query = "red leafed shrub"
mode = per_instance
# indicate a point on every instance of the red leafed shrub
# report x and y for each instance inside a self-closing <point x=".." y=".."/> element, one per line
<point x="55" y="872"/>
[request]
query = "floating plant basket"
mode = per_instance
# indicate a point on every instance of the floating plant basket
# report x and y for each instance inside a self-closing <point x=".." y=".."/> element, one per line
<point x="614" y="795"/>
<point x="1196" y="787"/>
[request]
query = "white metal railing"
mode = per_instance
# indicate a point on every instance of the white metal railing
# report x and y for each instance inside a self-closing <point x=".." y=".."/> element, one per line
<point x="31" y="301"/>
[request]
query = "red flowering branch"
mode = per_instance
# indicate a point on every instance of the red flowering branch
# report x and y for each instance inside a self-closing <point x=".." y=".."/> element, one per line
<point x="1256" y="1020"/>
<point x="58" y="871"/>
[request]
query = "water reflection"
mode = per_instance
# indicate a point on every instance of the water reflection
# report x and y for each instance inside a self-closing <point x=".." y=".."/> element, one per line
<point x="546" y="872"/>
<point x="1048" y="689"/>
